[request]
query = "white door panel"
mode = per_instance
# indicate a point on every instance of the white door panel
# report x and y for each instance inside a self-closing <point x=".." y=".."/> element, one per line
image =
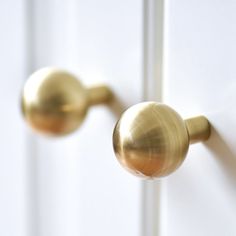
<point x="200" y="79"/>
<point x="12" y="137"/>
<point x="80" y="188"/>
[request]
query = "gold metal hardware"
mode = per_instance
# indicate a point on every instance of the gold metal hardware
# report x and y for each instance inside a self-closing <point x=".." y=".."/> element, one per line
<point x="54" y="102"/>
<point x="151" y="139"/>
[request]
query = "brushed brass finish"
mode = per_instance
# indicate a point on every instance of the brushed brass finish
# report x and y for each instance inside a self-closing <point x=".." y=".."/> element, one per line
<point x="99" y="94"/>
<point x="55" y="102"/>
<point x="151" y="140"/>
<point x="198" y="129"/>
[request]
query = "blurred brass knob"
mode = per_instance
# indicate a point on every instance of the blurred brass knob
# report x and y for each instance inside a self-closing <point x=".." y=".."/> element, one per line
<point x="54" y="102"/>
<point x="151" y="140"/>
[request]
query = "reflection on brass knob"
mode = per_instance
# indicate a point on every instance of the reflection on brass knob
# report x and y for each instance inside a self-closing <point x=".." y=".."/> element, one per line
<point x="151" y="139"/>
<point x="54" y="102"/>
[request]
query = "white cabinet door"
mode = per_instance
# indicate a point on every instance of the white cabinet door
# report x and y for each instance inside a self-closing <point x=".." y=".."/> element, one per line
<point x="77" y="186"/>
<point x="13" y="151"/>
<point x="199" y="199"/>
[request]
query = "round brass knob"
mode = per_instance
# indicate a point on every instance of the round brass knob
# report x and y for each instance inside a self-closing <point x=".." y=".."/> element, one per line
<point x="151" y="139"/>
<point x="54" y="102"/>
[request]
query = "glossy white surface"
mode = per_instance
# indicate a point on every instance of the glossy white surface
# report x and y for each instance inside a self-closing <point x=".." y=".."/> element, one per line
<point x="200" y="77"/>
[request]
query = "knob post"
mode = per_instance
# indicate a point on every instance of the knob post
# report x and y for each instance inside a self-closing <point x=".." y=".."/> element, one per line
<point x="198" y="129"/>
<point x="99" y="94"/>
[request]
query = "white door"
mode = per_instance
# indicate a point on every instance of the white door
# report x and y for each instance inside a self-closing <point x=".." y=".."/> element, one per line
<point x="12" y="146"/>
<point x="77" y="186"/>
<point x="73" y="185"/>
<point x="199" y="199"/>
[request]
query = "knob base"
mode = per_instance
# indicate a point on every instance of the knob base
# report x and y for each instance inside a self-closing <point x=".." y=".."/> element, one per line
<point x="199" y="129"/>
<point x="99" y="94"/>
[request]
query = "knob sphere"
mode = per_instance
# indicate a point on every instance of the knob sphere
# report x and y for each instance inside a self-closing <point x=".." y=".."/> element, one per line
<point x="54" y="102"/>
<point x="150" y="140"/>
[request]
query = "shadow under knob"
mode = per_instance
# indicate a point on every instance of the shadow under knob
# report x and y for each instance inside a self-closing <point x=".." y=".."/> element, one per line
<point x="151" y="139"/>
<point x="55" y="102"/>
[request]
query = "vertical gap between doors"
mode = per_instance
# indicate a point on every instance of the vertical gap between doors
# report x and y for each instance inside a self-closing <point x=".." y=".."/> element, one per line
<point x="153" y="42"/>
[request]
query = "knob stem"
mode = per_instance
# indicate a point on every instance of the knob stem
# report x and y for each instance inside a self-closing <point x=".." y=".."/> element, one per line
<point x="99" y="94"/>
<point x="198" y="129"/>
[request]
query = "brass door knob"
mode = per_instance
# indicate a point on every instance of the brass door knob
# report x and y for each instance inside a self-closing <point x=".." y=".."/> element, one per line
<point x="54" y="102"/>
<point x="151" y="139"/>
